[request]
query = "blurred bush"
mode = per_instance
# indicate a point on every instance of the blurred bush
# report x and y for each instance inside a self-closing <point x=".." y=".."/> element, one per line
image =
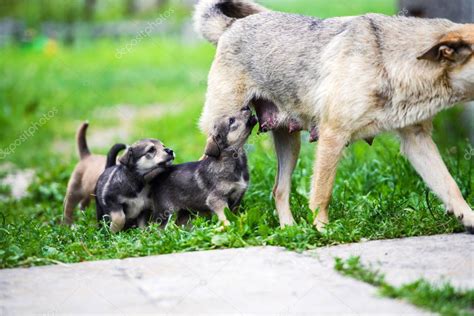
<point x="34" y="12"/>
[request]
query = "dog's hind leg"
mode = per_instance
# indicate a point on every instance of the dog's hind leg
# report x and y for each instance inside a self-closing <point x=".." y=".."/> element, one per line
<point x="70" y="202"/>
<point x="85" y="203"/>
<point x="143" y="219"/>
<point x="419" y="148"/>
<point x="217" y="205"/>
<point x="330" y="147"/>
<point x="287" y="147"/>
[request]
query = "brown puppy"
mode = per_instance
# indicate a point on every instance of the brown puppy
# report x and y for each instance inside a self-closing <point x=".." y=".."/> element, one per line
<point x="81" y="186"/>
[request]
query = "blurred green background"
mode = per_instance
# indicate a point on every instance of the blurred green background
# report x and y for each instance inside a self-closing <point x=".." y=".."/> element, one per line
<point x="35" y="12"/>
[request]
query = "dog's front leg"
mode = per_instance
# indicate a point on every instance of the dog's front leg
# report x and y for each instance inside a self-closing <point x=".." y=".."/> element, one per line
<point x="218" y="205"/>
<point x="141" y="222"/>
<point x="421" y="151"/>
<point x="330" y="147"/>
<point x="287" y="147"/>
<point x="117" y="221"/>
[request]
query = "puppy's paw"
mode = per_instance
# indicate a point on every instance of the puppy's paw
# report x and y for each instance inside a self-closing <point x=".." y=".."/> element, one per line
<point x="115" y="228"/>
<point x="67" y="222"/>
<point x="223" y="226"/>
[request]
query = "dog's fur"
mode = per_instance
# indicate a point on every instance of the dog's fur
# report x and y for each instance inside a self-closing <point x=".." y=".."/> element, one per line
<point x="344" y="79"/>
<point x="214" y="183"/>
<point x="123" y="191"/>
<point x="81" y="185"/>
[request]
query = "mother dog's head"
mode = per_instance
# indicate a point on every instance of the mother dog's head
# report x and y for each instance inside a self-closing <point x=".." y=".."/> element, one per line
<point x="454" y="53"/>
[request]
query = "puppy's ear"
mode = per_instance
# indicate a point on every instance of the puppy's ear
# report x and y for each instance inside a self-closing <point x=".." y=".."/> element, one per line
<point x="127" y="158"/>
<point x="212" y="148"/>
<point x="453" y="51"/>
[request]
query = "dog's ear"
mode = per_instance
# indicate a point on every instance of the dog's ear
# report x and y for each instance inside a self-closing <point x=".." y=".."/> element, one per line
<point x="212" y="148"/>
<point x="127" y="158"/>
<point x="453" y="51"/>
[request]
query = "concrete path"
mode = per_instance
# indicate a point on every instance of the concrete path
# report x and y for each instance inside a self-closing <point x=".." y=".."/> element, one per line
<point x="434" y="258"/>
<point x="235" y="281"/>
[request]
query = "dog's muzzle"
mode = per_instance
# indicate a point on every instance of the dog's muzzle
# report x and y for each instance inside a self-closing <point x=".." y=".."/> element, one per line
<point x="169" y="161"/>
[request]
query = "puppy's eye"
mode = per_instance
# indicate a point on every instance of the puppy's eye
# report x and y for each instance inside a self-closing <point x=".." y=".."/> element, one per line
<point x="152" y="150"/>
<point x="231" y="120"/>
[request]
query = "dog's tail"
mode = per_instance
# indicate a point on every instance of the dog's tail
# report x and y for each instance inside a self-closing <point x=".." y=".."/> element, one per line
<point x="113" y="153"/>
<point x="82" y="147"/>
<point x="213" y="17"/>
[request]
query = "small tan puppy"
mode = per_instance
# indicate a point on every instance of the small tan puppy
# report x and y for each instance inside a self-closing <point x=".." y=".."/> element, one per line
<point x="82" y="183"/>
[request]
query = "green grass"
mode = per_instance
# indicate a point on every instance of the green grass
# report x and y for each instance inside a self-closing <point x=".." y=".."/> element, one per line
<point x="377" y="194"/>
<point x="443" y="299"/>
<point x="158" y="71"/>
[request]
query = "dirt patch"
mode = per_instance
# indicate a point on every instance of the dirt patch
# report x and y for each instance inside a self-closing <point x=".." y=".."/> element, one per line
<point x="18" y="180"/>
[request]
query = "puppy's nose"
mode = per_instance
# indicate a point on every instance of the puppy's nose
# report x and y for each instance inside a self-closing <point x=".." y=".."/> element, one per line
<point x="169" y="152"/>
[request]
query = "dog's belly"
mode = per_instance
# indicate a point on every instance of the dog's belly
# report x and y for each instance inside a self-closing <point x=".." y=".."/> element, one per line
<point x="282" y="65"/>
<point x="233" y="191"/>
<point x="174" y="198"/>
<point x="235" y="197"/>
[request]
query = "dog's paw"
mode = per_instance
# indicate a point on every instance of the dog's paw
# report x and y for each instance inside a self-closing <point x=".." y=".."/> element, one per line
<point x="67" y="221"/>
<point x="320" y="224"/>
<point x="223" y="226"/>
<point x="287" y="221"/>
<point x="320" y="221"/>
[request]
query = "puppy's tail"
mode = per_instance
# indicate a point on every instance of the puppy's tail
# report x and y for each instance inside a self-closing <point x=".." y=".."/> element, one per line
<point x="113" y="153"/>
<point x="82" y="147"/>
<point x="213" y="17"/>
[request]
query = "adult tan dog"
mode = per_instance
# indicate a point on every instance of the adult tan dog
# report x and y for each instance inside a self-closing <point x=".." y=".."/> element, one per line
<point x="348" y="78"/>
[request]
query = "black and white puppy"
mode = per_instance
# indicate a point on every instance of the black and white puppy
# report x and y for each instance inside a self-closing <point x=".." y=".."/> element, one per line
<point x="123" y="191"/>
<point x="218" y="181"/>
